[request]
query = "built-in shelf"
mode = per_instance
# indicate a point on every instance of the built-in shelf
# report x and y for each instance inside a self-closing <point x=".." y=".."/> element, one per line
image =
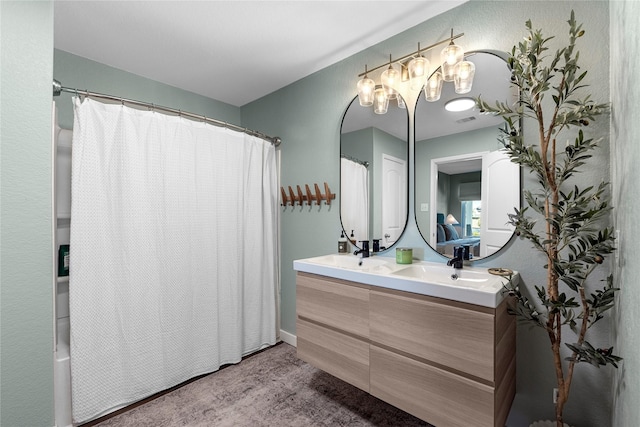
<point x="62" y="279"/>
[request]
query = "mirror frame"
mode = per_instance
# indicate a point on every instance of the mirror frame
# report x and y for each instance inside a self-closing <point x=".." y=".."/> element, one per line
<point x="503" y="56"/>
<point x="354" y="102"/>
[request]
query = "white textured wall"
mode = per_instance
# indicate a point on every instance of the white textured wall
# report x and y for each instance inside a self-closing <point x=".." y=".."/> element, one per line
<point x="625" y="159"/>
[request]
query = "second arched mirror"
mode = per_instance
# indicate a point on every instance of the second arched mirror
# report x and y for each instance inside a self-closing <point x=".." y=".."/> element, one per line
<point x="374" y="154"/>
<point x="465" y="186"/>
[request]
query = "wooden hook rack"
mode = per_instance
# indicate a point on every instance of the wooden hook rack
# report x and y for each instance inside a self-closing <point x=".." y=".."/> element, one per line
<point x="308" y="196"/>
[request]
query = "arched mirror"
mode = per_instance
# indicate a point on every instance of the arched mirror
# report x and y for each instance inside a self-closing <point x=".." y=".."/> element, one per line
<point x="374" y="154"/>
<point x="465" y="185"/>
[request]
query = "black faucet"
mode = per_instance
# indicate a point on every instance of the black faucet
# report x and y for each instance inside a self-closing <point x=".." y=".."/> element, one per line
<point x="365" y="249"/>
<point x="458" y="256"/>
<point x="466" y="254"/>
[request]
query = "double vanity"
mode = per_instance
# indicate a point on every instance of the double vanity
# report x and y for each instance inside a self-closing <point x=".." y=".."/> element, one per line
<point x="434" y="341"/>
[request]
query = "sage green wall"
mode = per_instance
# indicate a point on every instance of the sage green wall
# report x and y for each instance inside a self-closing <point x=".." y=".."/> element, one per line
<point x="307" y="115"/>
<point x="625" y="158"/>
<point x="26" y="354"/>
<point x="81" y="73"/>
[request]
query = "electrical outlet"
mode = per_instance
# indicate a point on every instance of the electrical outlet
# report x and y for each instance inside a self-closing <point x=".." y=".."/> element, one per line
<point x="555" y="395"/>
<point x="424" y="207"/>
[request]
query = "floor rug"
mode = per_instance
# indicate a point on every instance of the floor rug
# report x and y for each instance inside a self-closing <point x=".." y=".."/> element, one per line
<point x="270" y="388"/>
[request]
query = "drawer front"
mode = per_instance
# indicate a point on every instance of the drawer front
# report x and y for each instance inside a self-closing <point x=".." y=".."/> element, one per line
<point x="334" y="303"/>
<point x="340" y="355"/>
<point x="444" y="334"/>
<point x="434" y="395"/>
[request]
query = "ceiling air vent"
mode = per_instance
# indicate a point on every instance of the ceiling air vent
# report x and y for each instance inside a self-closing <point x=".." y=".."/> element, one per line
<point x="466" y="119"/>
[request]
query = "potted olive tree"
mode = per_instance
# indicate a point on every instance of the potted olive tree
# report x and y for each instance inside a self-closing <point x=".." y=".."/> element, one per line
<point x="564" y="220"/>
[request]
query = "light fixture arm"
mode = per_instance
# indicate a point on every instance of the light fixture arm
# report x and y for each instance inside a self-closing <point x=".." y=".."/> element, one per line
<point x="405" y="57"/>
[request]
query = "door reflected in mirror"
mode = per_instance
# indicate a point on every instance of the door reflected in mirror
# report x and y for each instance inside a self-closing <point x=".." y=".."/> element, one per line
<point x="465" y="186"/>
<point x="374" y="151"/>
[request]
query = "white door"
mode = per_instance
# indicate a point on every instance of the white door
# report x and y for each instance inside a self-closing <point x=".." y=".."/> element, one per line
<point x="394" y="198"/>
<point x="500" y="195"/>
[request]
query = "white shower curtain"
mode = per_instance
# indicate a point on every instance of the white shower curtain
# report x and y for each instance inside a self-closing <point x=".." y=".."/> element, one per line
<point x="173" y="266"/>
<point x="354" y="198"/>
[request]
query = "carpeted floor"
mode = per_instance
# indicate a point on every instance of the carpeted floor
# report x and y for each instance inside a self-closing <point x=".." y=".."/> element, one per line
<point x="271" y="388"/>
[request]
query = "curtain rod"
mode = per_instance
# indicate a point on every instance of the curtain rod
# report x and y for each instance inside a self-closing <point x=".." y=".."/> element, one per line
<point x="58" y="88"/>
<point x="353" y="159"/>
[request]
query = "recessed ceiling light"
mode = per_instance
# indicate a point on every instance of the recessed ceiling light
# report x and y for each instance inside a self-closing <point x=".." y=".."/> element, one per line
<point x="460" y="104"/>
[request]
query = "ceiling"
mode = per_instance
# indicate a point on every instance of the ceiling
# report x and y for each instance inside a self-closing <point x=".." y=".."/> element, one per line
<point x="232" y="51"/>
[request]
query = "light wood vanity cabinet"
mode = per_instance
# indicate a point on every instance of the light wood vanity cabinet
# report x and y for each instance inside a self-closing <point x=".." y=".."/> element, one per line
<point x="333" y="327"/>
<point x="448" y="363"/>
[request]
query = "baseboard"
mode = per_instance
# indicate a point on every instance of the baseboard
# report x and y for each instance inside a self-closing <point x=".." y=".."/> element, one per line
<point x="288" y="338"/>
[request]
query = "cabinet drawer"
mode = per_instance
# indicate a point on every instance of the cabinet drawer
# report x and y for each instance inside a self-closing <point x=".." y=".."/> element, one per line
<point x="333" y="302"/>
<point x="342" y="356"/>
<point x="445" y="334"/>
<point x="434" y="395"/>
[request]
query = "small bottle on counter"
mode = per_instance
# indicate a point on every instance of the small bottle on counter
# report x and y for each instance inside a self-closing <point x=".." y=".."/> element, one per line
<point x="352" y="238"/>
<point x="343" y="246"/>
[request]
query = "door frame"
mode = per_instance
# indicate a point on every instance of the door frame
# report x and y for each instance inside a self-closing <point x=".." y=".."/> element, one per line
<point x="434" y="187"/>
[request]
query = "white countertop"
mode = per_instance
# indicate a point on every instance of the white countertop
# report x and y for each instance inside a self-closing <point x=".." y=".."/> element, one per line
<point x="471" y="285"/>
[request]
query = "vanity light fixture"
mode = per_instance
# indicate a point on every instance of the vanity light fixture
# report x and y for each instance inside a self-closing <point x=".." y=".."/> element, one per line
<point x="418" y="70"/>
<point x="415" y="68"/>
<point x="460" y="104"/>
<point x="390" y="79"/>
<point x="380" y="100"/>
<point x="366" y="87"/>
<point x="463" y="76"/>
<point x="433" y="88"/>
<point x="449" y="57"/>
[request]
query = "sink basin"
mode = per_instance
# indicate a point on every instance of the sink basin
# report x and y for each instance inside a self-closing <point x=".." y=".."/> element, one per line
<point x="471" y="285"/>
<point x="467" y="278"/>
<point x="351" y="262"/>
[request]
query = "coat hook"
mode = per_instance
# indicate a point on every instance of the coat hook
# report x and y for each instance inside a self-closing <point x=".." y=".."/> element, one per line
<point x="330" y="196"/>
<point x="300" y="196"/>
<point x="293" y="196"/>
<point x="309" y="196"/>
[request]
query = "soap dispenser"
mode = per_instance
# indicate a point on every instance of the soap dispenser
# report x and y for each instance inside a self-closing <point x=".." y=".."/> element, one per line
<point x="342" y="244"/>
<point x="352" y="238"/>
